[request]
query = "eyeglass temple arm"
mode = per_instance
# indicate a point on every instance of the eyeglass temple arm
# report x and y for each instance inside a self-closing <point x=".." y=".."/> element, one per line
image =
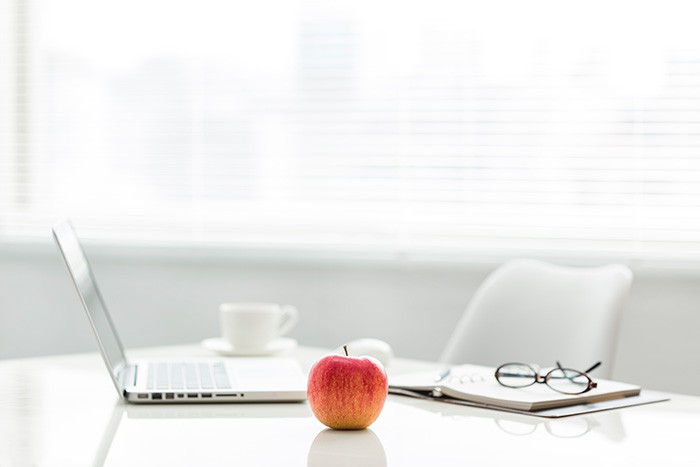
<point x="596" y="365"/>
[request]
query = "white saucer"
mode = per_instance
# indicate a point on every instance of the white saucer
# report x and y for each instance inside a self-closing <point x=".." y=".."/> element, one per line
<point x="223" y="347"/>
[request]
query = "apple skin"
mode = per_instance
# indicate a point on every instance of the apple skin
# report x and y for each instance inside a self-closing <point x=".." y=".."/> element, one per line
<point x="347" y="393"/>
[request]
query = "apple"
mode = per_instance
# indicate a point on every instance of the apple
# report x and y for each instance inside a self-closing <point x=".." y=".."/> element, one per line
<point x="347" y="393"/>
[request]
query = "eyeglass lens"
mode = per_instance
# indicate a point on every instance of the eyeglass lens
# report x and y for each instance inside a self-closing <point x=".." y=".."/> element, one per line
<point x="516" y="375"/>
<point x="567" y="381"/>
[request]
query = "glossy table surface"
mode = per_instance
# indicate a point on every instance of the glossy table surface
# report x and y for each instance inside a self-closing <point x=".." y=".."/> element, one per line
<point x="63" y="410"/>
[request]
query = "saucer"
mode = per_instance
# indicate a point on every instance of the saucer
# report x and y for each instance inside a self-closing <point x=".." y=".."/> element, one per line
<point x="223" y="347"/>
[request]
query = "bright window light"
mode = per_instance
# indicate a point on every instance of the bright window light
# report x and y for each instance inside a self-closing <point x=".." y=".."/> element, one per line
<point x="402" y="127"/>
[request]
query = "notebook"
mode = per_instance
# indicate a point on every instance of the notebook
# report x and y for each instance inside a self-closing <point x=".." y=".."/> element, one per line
<point x="477" y="384"/>
<point x="264" y="379"/>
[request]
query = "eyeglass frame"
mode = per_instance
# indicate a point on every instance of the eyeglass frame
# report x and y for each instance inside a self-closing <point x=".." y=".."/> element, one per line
<point x="548" y="424"/>
<point x="538" y="378"/>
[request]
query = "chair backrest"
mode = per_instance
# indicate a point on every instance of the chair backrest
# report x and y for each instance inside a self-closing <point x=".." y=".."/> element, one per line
<point x="534" y="312"/>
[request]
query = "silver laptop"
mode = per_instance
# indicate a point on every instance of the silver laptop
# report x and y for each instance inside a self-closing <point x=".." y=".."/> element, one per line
<point x="263" y="379"/>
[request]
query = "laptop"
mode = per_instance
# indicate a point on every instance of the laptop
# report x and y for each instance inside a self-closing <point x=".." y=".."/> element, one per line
<point x="192" y="380"/>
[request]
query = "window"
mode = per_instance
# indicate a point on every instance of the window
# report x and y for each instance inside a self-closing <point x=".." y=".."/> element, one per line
<point x="442" y="127"/>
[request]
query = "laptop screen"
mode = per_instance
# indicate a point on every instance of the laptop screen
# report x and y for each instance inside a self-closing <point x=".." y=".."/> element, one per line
<point x="80" y="271"/>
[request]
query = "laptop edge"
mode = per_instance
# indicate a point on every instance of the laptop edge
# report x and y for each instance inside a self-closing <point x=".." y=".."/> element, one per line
<point x="129" y="377"/>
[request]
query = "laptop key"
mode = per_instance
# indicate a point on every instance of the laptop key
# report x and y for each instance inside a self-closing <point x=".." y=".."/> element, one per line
<point x="162" y="376"/>
<point x="191" y="380"/>
<point x="222" y="382"/>
<point x="176" y="381"/>
<point x="220" y="376"/>
<point x="205" y="376"/>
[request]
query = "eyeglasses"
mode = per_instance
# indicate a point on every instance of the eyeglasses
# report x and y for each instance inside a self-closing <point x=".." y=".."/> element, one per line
<point x="563" y="380"/>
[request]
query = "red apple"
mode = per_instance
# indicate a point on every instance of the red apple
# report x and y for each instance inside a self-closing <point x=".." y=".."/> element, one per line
<point x="347" y="393"/>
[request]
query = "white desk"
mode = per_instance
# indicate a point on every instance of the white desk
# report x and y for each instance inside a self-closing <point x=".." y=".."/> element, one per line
<point x="64" y="411"/>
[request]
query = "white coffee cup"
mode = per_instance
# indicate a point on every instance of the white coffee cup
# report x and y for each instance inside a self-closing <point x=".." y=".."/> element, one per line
<point x="252" y="326"/>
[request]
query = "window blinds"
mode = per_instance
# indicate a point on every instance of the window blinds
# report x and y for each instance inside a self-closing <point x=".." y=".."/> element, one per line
<point x="404" y="127"/>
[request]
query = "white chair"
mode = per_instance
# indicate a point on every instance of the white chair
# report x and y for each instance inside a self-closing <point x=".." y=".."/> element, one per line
<point x="534" y="312"/>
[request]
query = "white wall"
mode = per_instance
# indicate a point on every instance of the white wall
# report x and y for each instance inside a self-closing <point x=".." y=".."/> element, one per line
<point x="171" y="297"/>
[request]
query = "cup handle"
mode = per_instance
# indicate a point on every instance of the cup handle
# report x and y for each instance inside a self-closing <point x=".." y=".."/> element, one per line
<point x="288" y="319"/>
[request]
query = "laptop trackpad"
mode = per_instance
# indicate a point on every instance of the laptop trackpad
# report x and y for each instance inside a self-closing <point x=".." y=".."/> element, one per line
<point x="266" y="374"/>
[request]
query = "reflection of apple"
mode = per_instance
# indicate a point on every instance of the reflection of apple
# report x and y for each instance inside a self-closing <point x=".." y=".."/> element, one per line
<point x="347" y="393"/>
<point x="347" y="449"/>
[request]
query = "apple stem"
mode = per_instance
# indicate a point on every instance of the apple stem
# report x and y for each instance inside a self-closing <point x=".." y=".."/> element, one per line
<point x="345" y="348"/>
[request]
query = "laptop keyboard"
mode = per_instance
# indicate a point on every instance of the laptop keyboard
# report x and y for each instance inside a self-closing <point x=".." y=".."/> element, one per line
<point x="187" y="376"/>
